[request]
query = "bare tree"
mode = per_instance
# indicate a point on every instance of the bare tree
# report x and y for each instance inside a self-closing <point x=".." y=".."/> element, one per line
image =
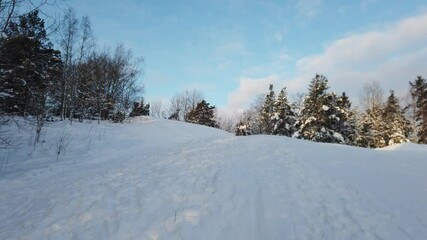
<point x="67" y="42"/>
<point x="156" y="109"/>
<point x="10" y="10"/>
<point x="87" y="40"/>
<point x="109" y="82"/>
<point x="372" y="95"/>
<point x="182" y="103"/>
<point x="226" y="123"/>
<point x="252" y="116"/>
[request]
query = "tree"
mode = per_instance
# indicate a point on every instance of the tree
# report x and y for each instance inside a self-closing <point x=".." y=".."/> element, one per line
<point x="75" y="39"/>
<point x="267" y="111"/>
<point x="283" y="118"/>
<point x="68" y="88"/>
<point x="140" y="109"/>
<point x="396" y="125"/>
<point x="243" y="129"/>
<point x="10" y="10"/>
<point x="183" y="103"/>
<point x="203" y="114"/>
<point x="156" y="109"/>
<point x="226" y="123"/>
<point x="29" y="67"/>
<point x="109" y="83"/>
<point x="365" y="137"/>
<point x="371" y="129"/>
<point x="343" y="119"/>
<point x="419" y="103"/>
<point x="317" y="118"/>
<point x="372" y="95"/>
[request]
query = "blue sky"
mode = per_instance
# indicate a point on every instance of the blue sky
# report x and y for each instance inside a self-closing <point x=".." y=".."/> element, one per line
<point x="232" y="49"/>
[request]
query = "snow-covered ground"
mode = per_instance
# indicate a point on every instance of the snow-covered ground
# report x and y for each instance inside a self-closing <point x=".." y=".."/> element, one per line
<point x="159" y="179"/>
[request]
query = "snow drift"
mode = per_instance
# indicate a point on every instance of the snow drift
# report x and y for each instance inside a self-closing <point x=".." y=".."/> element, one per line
<point x="159" y="179"/>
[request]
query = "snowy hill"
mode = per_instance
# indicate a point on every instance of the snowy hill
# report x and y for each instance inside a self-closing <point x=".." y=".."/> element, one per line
<point x="159" y="179"/>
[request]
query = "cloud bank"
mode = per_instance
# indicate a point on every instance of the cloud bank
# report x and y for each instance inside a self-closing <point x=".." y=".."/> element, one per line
<point x="393" y="55"/>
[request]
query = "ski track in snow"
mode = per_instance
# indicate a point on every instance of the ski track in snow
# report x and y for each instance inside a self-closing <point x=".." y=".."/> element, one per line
<point x="210" y="189"/>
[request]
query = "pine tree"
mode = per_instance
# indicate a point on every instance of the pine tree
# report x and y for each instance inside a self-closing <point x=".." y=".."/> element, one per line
<point x="29" y="67"/>
<point x="203" y="114"/>
<point x="283" y="118"/>
<point x="396" y="125"/>
<point x="419" y="95"/>
<point x="267" y="112"/>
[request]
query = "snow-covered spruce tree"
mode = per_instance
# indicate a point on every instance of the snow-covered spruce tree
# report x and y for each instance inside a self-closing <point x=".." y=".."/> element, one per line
<point x="372" y="128"/>
<point x="419" y="96"/>
<point x="396" y="125"/>
<point x="344" y="119"/>
<point x="243" y="129"/>
<point x="318" y="115"/>
<point x="267" y="111"/>
<point x="203" y="114"/>
<point x="364" y="136"/>
<point x="283" y="118"/>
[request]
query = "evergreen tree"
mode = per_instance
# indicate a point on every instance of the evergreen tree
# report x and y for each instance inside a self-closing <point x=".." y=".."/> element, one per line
<point x="317" y="115"/>
<point x="267" y="112"/>
<point x="343" y="119"/>
<point x="372" y="128"/>
<point x="174" y="116"/>
<point x="364" y="136"/>
<point x="140" y="109"/>
<point x="203" y="114"/>
<point x="396" y="125"/>
<point x="419" y="95"/>
<point x="29" y="67"/>
<point x="283" y="118"/>
<point x="243" y="129"/>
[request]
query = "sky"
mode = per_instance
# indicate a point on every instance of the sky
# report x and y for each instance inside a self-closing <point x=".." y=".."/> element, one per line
<point x="232" y="50"/>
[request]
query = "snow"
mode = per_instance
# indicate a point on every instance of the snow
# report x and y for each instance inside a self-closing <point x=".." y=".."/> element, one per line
<point x="325" y="108"/>
<point x="339" y="137"/>
<point x="160" y="179"/>
<point x="5" y="95"/>
<point x="275" y="117"/>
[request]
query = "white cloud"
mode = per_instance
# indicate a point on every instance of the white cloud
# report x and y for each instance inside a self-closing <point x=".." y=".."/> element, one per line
<point x="393" y="56"/>
<point x="249" y="88"/>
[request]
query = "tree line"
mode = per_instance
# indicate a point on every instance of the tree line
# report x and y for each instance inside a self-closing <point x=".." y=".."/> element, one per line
<point x="324" y="116"/>
<point x="75" y="80"/>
